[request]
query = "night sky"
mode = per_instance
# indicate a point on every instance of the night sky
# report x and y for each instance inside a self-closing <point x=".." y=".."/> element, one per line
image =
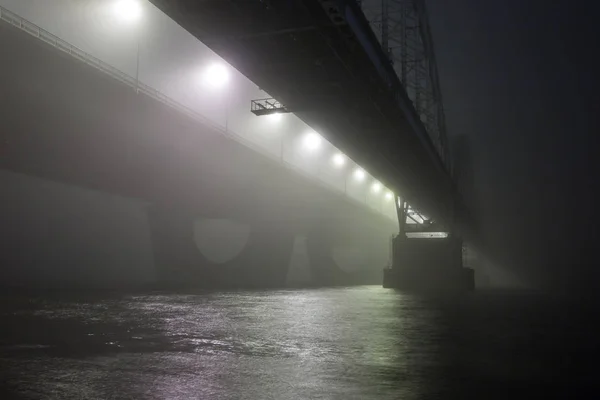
<point x="518" y="77"/>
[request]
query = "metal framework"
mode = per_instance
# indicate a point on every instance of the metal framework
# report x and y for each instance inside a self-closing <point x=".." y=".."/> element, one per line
<point x="267" y="107"/>
<point x="402" y="28"/>
<point x="413" y="224"/>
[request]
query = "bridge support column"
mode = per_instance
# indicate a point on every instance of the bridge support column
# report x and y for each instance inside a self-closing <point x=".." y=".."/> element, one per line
<point x="263" y="262"/>
<point x="176" y="257"/>
<point x="425" y="263"/>
<point x="428" y="264"/>
<point x="323" y="268"/>
<point x="320" y="242"/>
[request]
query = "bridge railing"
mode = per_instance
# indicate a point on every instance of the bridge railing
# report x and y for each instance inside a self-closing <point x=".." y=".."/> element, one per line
<point x="27" y="26"/>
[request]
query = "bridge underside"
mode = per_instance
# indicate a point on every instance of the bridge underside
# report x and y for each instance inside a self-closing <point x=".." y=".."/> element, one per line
<point x="63" y="120"/>
<point x="316" y="57"/>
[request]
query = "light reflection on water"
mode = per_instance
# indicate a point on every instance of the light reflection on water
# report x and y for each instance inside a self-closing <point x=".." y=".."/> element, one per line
<point x="344" y="343"/>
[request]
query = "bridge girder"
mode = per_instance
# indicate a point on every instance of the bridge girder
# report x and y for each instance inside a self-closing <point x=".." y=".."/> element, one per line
<point x="313" y="56"/>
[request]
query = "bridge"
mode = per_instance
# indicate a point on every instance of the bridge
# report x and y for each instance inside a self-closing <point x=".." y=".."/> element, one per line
<point x="162" y="105"/>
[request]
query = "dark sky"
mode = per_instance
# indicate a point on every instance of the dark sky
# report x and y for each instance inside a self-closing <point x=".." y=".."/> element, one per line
<point x="518" y="77"/>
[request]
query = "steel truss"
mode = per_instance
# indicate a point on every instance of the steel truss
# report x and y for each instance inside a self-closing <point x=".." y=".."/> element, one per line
<point x="402" y="28"/>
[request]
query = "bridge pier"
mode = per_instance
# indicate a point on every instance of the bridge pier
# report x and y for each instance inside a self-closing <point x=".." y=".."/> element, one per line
<point x="425" y="261"/>
<point x="176" y="257"/>
<point x="433" y="264"/>
<point x="323" y="267"/>
<point x="339" y="257"/>
<point x="263" y="262"/>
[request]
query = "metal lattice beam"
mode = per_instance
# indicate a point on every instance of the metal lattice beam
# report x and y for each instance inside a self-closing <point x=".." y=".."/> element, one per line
<point x="267" y="107"/>
<point x="402" y="28"/>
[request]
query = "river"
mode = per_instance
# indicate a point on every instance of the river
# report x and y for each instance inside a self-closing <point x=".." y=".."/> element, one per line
<point x="333" y="343"/>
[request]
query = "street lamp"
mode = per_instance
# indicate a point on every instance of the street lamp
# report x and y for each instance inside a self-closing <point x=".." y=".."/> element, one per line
<point x="275" y="117"/>
<point x="387" y="198"/>
<point x="339" y="160"/>
<point x="359" y="174"/>
<point x="128" y="10"/>
<point x="376" y="187"/>
<point x="312" y="141"/>
<point x="216" y="75"/>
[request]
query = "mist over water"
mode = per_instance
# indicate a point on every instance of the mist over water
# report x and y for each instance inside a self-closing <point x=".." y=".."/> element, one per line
<point x="344" y="343"/>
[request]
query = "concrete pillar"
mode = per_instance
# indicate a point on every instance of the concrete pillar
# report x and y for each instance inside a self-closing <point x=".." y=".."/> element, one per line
<point x="176" y="257"/>
<point x="323" y="268"/>
<point x="263" y="262"/>
<point x="326" y="239"/>
<point x="428" y="264"/>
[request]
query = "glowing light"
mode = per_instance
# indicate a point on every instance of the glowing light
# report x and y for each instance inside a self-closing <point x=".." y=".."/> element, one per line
<point x="312" y="141"/>
<point x="389" y="196"/>
<point x="376" y="187"/>
<point x="427" y="235"/>
<point x="128" y="10"/>
<point x="359" y="174"/>
<point x="216" y="75"/>
<point x="275" y="117"/>
<point x="339" y="160"/>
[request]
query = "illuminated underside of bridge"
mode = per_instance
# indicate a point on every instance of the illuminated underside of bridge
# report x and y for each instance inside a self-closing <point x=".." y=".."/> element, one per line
<point x="368" y="86"/>
<point x="322" y="60"/>
<point x="375" y="97"/>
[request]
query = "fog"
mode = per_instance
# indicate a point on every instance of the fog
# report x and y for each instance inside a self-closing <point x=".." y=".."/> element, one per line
<point x="115" y="150"/>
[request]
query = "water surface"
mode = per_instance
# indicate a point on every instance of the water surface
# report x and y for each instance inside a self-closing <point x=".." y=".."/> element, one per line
<point x="337" y="343"/>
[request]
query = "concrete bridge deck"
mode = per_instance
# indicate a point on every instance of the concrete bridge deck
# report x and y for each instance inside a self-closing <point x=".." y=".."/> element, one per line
<point x="65" y="121"/>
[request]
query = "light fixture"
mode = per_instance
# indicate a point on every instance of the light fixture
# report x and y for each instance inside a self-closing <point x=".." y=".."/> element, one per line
<point x="339" y="160"/>
<point x="128" y="10"/>
<point x="376" y="187"/>
<point x="389" y="196"/>
<point x="312" y="141"/>
<point x="276" y="117"/>
<point x="359" y="174"/>
<point x="216" y="75"/>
